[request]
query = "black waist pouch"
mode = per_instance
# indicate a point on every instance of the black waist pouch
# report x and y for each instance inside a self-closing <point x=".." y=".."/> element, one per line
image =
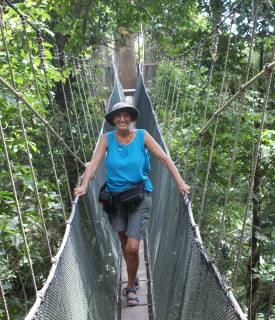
<point x="107" y="199"/>
<point x="131" y="197"/>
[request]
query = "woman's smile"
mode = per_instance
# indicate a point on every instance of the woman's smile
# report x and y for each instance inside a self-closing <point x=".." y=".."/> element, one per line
<point x="122" y="119"/>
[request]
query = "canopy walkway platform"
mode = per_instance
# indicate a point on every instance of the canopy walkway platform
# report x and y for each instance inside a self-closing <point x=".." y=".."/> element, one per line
<point x="178" y="279"/>
<point x="184" y="283"/>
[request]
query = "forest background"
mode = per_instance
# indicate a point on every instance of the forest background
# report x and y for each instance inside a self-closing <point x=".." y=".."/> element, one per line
<point x="88" y="27"/>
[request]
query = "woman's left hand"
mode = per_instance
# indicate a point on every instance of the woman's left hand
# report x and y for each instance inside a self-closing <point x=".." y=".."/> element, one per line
<point x="183" y="188"/>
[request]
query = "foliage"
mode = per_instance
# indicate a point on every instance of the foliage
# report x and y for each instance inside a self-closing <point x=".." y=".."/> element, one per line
<point x="39" y="87"/>
<point x="174" y="26"/>
<point x="91" y="23"/>
<point x="180" y="93"/>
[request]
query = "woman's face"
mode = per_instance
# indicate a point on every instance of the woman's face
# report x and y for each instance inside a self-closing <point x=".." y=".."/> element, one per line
<point x="122" y="120"/>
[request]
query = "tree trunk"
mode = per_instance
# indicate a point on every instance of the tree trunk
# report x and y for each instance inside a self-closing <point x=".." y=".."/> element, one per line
<point x="253" y="263"/>
<point x="126" y="63"/>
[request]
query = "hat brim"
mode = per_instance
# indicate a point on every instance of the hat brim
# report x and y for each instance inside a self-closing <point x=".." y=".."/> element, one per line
<point x="131" y="110"/>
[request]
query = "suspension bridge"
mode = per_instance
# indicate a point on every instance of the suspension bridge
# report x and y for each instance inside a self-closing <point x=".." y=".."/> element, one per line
<point x="84" y="280"/>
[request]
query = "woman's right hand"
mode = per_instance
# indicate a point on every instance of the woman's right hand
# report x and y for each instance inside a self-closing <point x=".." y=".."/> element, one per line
<point x="80" y="191"/>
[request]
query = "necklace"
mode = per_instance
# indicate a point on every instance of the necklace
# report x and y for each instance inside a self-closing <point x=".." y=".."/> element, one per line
<point x="126" y="141"/>
<point x="122" y="148"/>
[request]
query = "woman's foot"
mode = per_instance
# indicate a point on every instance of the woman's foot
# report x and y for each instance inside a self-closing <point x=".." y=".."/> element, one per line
<point x="136" y="287"/>
<point x="132" y="298"/>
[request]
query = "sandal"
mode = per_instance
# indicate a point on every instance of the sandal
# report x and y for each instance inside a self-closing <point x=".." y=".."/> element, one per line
<point x="132" y="298"/>
<point x="136" y="283"/>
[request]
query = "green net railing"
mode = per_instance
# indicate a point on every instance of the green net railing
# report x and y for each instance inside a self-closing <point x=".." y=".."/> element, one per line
<point x="184" y="283"/>
<point x="84" y="281"/>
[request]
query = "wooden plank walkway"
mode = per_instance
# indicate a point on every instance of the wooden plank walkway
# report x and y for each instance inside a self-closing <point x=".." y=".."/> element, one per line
<point x="139" y="312"/>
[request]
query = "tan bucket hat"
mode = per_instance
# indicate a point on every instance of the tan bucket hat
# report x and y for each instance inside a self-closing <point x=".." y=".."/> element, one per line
<point x="121" y="106"/>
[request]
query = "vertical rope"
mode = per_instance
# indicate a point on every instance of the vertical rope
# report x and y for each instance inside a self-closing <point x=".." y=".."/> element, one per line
<point x="18" y="210"/>
<point x="84" y="67"/>
<point x="164" y="95"/>
<point x="255" y="162"/>
<point x="189" y="73"/>
<point x="82" y="105"/>
<point x="94" y="70"/>
<point x="86" y="102"/>
<point x="157" y="85"/>
<point x="171" y="110"/>
<point x="2" y="293"/>
<point x="74" y="110"/>
<point x="26" y="143"/>
<point x="214" y="53"/>
<point x="168" y="93"/>
<point x="92" y="75"/>
<point x="67" y="177"/>
<point x="93" y="91"/>
<point x="163" y="83"/>
<point x="194" y="179"/>
<point x="176" y="108"/>
<point x="57" y="58"/>
<point x="198" y="57"/>
<point x="236" y="140"/>
<point x="43" y="67"/>
<point x="198" y="153"/>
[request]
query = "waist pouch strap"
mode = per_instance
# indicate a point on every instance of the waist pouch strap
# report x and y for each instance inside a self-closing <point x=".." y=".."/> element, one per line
<point x="131" y="197"/>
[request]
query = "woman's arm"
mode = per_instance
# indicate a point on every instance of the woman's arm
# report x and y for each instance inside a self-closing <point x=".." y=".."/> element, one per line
<point x="92" y="166"/>
<point x="155" y="148"/>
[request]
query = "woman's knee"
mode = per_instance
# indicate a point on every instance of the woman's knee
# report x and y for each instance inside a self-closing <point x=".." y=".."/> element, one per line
<point x="132" y="247"/>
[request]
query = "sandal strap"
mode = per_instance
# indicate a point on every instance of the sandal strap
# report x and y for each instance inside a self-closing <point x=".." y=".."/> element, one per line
<point x="127" y="290"/>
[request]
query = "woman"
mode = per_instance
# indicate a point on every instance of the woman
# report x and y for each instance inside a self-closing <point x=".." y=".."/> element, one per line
<point x="127" y="165"/>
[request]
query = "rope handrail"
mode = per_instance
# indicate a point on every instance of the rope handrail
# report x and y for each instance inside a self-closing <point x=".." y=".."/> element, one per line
<point x="20" y="96"/>
<point x="201" y="132"/>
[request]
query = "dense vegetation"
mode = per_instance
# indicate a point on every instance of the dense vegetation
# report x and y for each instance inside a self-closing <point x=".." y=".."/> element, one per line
<point x="180" y="91"/>
<point x="174" y="26"/>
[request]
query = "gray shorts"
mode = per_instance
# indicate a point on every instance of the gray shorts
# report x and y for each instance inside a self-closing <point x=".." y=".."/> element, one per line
<point x="132" y="222"/>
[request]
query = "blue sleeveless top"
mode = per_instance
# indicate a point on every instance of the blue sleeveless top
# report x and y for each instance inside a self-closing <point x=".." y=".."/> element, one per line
<point x="127" y="164"/>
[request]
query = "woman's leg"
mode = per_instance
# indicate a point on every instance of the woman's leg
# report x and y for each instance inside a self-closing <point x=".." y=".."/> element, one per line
<point x="132" y="253"/>
<point x="130" y="250"/>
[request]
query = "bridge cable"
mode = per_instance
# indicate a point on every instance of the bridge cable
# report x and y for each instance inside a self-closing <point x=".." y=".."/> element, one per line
<point x="90" y="98"/>
<point x="216" y="120"/>
<point x="25" y="138"/>
<point x="220" y="234"/>
<point x="61" y="70"/>
<point x="268" y="71"/>
<point x="75" y="72"/>
<point x="2" y="295"/>
<point x="43" y="68"/>
<point x="245" y="85"/>
<point x="75" y="111"/>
